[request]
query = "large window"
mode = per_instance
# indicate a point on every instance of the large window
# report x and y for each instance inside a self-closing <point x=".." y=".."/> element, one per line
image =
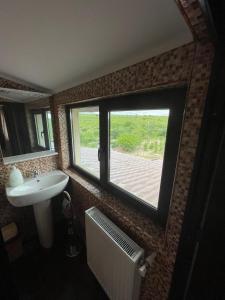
<point x="129" y="145"/>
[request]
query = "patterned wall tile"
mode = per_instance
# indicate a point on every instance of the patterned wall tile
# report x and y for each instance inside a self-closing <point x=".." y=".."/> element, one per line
<point x="42" y="165"/>
<point x="144" y="72"/>
<point x="102" y="86"/>
<point x="124" y="80"/>
<point x="62" y="137"/>
<point x="173" y="66"/>
<point x="9" y="84"/>
<point x="193" y="14"/>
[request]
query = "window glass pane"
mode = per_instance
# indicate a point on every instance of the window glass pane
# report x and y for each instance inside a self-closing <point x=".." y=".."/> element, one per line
<point x="85" y="136"/>
<point x="50" y="130"/>
<point x="137" y="142"/>
<point x="39" y="130"/>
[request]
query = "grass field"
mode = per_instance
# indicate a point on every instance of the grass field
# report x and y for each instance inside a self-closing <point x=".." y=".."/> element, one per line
<point x="136" y="134"/>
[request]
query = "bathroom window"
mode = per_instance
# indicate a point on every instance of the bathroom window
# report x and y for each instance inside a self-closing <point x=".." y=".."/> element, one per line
<point x="129" y="145"/>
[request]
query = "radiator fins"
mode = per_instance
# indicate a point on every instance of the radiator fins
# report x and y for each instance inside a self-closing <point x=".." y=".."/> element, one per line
<point x="121" y="242"/>
<point x="118" y="236"/>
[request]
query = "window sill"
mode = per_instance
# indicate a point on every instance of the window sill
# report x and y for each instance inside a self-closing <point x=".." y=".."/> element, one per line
<point x="140" y="227"/>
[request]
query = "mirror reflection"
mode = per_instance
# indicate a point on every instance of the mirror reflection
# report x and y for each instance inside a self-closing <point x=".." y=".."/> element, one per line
<point x="25" y="127"/>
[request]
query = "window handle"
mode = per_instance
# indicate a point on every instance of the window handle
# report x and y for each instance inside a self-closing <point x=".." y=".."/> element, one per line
<point x="99" y="154"/>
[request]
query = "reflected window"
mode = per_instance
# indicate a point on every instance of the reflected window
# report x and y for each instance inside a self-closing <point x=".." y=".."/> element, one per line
<point x="4" y="135"/>
<point x="43" y="131"/>
<point x="39" y="129"/>
<point x="50" y="130"/>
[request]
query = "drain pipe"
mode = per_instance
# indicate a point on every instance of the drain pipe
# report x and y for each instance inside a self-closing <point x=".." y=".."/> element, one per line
<point x="72" y="246"/>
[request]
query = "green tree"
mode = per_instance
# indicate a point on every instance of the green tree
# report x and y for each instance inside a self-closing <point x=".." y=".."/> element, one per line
<point x="128" y="142"/>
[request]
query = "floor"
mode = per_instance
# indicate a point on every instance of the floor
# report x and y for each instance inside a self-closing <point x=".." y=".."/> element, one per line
<point x="53" y="276"/>
<point x="139" y="176"/>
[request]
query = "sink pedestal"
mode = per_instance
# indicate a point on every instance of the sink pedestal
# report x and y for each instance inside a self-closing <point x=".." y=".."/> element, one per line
<point x="38" y="192"/>
<point x="43" y="217"/>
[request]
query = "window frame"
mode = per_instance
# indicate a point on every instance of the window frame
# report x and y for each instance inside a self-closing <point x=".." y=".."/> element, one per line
<point x="170" y="98"/>
<point x="70" y="138"/>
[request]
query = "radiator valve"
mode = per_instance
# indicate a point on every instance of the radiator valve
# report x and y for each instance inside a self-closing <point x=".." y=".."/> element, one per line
<point x="143" y="270"/>
<point x="148" y="262"/>
<point x="150" y="259"/>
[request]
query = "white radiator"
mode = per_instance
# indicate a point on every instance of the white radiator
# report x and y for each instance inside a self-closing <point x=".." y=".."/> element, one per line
<point x="113" y="257"/>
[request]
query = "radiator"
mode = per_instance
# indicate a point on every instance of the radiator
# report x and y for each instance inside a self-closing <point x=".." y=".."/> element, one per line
<point x="113" y="257"/>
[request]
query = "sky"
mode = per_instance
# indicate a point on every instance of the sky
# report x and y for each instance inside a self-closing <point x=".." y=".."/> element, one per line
<point x="152" y="112"/>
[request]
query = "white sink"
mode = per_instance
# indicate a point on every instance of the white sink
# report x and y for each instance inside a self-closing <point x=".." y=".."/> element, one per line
<point x="38" y="189"/>
<point x="38" y="192"/>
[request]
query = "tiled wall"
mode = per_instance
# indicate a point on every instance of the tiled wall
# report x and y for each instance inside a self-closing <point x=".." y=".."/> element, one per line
<point x="9" y="84"/>
<point x="190" y="64"/>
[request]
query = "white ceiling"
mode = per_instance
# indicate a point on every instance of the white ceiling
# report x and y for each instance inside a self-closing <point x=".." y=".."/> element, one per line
<point x="56" y="44"/>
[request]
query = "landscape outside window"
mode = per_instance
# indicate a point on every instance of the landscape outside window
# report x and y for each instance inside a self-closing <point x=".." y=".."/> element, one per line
<point x="85" y="136"/>
<point x="50" y="130"/>
<point x="137" y="142"/>
<point x="43" y="129"/>
<point x="39" y="130"/>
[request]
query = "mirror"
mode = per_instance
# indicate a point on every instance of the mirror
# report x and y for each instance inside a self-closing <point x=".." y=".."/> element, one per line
<point x="25" y="125"/>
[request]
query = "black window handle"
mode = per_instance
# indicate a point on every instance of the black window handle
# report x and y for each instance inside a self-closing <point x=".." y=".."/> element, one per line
<point x="99" y="154"/>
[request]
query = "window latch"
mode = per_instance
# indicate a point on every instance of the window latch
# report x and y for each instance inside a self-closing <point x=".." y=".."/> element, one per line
<point x="99" y="154"/>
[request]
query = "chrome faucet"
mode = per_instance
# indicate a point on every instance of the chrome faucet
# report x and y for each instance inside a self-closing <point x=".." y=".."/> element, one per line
<point x="34" y="174"/>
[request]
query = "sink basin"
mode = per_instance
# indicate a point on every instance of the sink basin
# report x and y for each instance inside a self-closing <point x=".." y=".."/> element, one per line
<point x="38" y="192"/>
<point x="37" y="189"/>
